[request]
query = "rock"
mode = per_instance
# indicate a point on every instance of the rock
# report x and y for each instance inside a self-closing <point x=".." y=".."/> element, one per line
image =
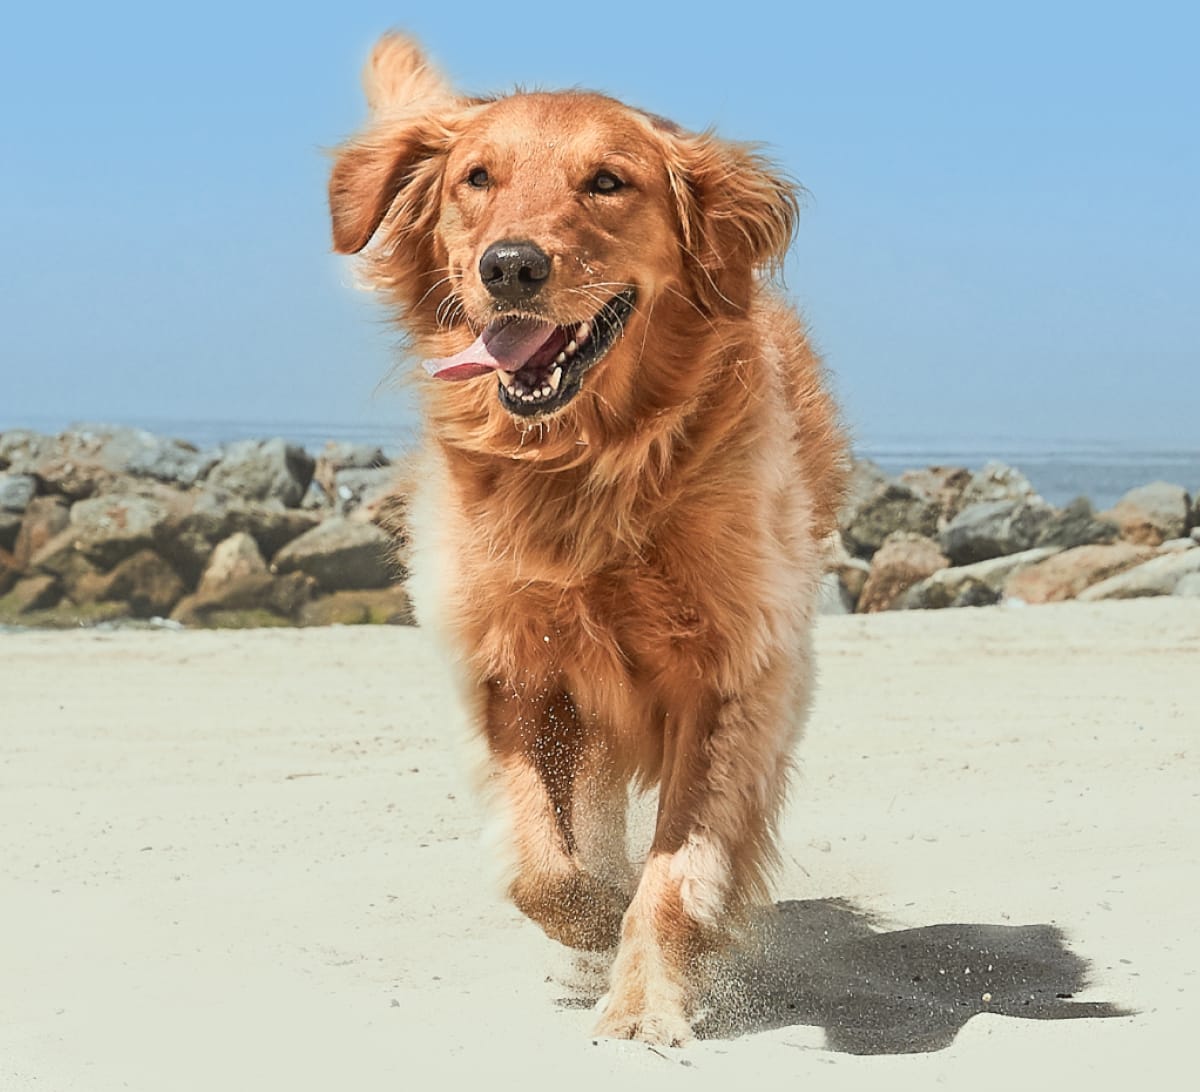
<point x="10" y="527"/>
<point x="1196" y="533"/>
<point x="340" y="554"/>
<point x="866" y="479"/>
<point x="990" y="529"/>
<point x="9" y="572"/>
<point x="387" y="606"/>
<point x="832" y="596"/>
<point x="16" y="491"/>
<point x="1188" y="586"/>
<point x="1067" y="574"/>
<point x="31" y="593"/>
<point x="45" y="518"/>
<point x="892" y="507"/>
<point x="112" y="528"/>
<point x="1077" y="525"/>
<point x="943" y="485"/>
<point x="21" y="450"/>
<point x="188" y="538"/>
<point x="1159" y="576"/>
<point x="282" y="597"/>
<point x="971" y="585"/>
<point x="338" y="456"/>
<point x="143" y="581"/>
<point x="353" y="488"/>
<point x="1152" y="513"/>
<point x="998" y="482"/>
<point x="264" y="470"/>
<point x="903" y="560"/>
<point x="233" y="559"/>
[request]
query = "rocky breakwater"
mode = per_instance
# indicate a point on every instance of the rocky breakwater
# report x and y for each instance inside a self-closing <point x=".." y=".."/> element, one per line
<point x="102" y="523"/>
<point x="950" y="537"/>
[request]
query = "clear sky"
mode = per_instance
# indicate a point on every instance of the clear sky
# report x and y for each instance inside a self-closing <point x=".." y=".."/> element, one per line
<point x="1002" y="237"/>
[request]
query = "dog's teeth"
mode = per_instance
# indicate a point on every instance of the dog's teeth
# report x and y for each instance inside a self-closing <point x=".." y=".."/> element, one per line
<point x="571" y="347"/>
<point x="506" y="378"/>
<point x="581" y="335"/>
<point x="555" y="379"/>
<point x="561" y="358"/>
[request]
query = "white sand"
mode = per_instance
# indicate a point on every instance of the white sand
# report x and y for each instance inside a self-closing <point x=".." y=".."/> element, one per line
<point x="251" y="861"/>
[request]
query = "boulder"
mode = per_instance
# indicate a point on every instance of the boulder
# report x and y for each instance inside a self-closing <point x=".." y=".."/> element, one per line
<point x="143" y="581"/>
<point x="111" y="528"/>
<point x="996" y="528"/>
<point x="974" y="585"/>
<point x="264" y="470"/>
<point x="338" y="456"/>
<point x="341" y="553"/>
<point x="31" y="593"/>
<point x="232" y="560"/>
<point x="1159" y="576"/>
<point x="1066" y="574"/>
<point x="9" y="572"/>
<point x="386" y="606"/>
<point x="943" y="485"/>
<point x="1077" y="525"/>
<point x="61" y="557"/>
<point x="1152" y="514"/>
<point x="998" y="482"/>
<point x="1188" y="586"/>
<point x="832" y="597"/>
<point x="891" y="507"/>
<point x="354" y="488"/>
<point x="903" y="560"/>
<point x="10" y="527"/>
<point x="21" y="450"/>
<point x="250" y="597"/>
<point x="45" y="518"/>
<point x="16" y="491"/>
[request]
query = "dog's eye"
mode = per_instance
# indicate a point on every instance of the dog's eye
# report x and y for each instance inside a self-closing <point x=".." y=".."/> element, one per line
<point x="479" y="179"/>
<point x="605" y="182"/>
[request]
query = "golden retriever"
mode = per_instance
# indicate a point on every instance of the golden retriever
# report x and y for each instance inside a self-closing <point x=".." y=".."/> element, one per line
<point x="630" y="466"/>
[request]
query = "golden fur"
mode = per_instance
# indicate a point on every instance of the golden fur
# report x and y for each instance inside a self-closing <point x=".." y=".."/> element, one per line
<point x="629" y="582"/>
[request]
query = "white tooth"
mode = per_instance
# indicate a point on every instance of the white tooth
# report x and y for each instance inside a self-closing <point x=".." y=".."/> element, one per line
<point x="572" y="346"/>
<point x="561" y="358"/>
<point x="555" y="379"/>
<point x="506" y="378"/>
<point x="582" y="333"/>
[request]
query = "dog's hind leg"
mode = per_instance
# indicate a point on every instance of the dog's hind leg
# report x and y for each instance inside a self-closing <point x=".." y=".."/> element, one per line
<point x="565" y="806"/>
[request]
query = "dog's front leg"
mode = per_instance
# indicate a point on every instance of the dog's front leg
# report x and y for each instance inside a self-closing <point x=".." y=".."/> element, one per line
<point x="565" y="807"/>
<point x="725" y="763"/>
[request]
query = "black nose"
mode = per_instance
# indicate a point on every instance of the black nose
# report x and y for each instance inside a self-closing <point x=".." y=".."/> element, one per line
<point x="514" y="271"/>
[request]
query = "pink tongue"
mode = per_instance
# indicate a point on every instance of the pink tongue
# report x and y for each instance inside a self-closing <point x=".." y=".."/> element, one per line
<point x="503" y="346"/>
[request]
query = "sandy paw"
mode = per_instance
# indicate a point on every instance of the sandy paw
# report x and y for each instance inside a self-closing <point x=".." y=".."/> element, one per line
<point x="659" y="1028"/>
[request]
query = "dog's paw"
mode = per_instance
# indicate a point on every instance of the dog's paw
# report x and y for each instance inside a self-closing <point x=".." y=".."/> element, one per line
<point x="659" y="1027"/>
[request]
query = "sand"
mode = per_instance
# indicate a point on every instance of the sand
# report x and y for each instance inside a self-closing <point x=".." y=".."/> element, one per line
<point x="252" y="861"/>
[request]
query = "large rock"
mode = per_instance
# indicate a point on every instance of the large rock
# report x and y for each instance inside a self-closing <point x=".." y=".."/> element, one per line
<point x="143" y="581"/>
<point x="998" y="482"/>
<point x="1188" y="586"/>
<point x="16" y="491"/>
<point x="264" y="470"/>
<point x="9" y="573"/>
<point x="45" y="518"/>
<point x="385" y="606"/>
<point x="1152" y="514"/>
<point x="1159" y="576"/>
<point x="354" y="488"/>
<point x="249" y="600"/>
<point x="339" y="554"/>
<point x="903" y="560"/>
<point x="832" y="596"/>
<point x="891" y="507"/>
<point x="1065" y="575"/>
<point x="233" y="559"/>
<point x="21" y="450"/>
<point x="943" y="485"/>
<point x="1077" y="525"/>
<point x="111" y="528"/>
<point x="990" y="529"/>
<point x="977" y="585"/>
<point x="31" y="593"/>
<point x="10" y="527"/>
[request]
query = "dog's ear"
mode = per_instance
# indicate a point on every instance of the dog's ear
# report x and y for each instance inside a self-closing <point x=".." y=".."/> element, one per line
<point x="406" y="95"/>
<point x="737" y="214"/>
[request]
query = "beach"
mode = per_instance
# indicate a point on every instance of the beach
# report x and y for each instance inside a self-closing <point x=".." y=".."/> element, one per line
<point x="252" y="860"/>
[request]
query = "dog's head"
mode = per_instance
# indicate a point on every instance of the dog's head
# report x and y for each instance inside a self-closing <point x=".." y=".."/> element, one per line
<point x="563" y="241"/>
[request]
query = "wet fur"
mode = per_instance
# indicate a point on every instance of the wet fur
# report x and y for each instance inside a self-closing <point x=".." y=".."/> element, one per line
<point x="629" y="584"/>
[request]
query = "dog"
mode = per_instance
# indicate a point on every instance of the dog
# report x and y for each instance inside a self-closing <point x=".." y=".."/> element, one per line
<point x="631" y="465"/>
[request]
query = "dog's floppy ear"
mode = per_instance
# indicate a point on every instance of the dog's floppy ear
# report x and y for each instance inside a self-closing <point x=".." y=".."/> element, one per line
<point x="405" y="95"/>
<point x="737" y="214"/>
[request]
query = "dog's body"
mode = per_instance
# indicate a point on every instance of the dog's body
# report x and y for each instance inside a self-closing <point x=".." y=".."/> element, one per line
<point x="624" y="525"/>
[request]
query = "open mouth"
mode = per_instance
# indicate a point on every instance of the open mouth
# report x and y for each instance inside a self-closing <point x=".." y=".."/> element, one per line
<point x="540" y="366"/>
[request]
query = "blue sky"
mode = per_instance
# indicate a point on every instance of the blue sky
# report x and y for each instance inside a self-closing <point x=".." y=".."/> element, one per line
<point x="1002" y="237"/>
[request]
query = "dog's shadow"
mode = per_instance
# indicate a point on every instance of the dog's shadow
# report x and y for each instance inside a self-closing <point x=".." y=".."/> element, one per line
<point x="827" y="963"/>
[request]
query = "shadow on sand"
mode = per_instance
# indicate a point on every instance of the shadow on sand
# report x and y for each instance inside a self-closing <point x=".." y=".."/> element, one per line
<point x="826" y="963"/>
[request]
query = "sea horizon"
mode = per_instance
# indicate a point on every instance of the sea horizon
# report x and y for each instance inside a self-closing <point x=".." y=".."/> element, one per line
<point x="1060" y="468"/>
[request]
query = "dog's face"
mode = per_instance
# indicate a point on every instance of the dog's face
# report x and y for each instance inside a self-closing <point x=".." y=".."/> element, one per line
<point x="538" y="238"/>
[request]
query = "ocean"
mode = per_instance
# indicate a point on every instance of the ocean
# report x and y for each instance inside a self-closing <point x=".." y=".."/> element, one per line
<point x="1060" y="470"/>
